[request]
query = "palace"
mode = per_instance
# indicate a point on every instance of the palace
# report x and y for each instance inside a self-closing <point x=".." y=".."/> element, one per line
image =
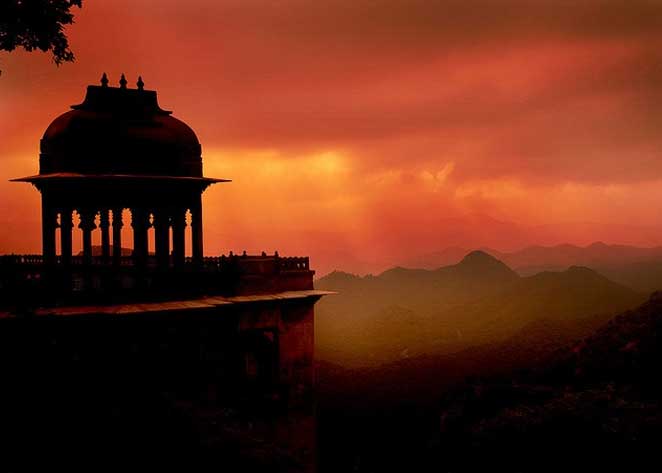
<point x="159" y="325"/>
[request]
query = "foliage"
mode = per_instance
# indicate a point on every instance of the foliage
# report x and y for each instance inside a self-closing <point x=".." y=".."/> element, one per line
<point x="37" y="25"/>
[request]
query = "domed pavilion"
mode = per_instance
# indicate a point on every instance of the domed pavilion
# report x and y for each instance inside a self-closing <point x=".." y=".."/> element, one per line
<point x="120" y="150"/>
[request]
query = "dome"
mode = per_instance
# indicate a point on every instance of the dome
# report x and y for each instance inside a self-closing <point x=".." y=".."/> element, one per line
<point x="120" y="131"/>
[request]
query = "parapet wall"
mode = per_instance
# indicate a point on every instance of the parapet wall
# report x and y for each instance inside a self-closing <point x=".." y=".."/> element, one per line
<point x="26" y="281"/>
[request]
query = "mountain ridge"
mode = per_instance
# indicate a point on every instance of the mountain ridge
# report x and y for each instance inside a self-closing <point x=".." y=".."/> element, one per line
<point x="564" y="254"/>
<point x="478" y="300"/>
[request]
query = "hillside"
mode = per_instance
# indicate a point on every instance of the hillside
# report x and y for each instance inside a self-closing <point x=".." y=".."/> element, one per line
<point x="536" y="401"/>
<point x="376" y="319"/>
<point x="568" y="296"/>
<point x="404" y="313"/>
<point x="597" y="401"/>
<point x="421" y="378"/>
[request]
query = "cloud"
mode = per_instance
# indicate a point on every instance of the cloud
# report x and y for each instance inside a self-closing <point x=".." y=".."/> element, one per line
<point x="366" y="125"/>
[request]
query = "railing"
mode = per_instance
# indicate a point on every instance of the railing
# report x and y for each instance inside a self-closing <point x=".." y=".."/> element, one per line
<point x="97" y="279"/>
<point x="288" y="263"/>
<point x="21" y="259"/>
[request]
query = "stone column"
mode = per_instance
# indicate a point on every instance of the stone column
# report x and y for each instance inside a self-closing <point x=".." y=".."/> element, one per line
<point x="104" y="225"/>
<point x="196" y="230"/>
<point x="179" y="237"/>
<point x="117" y="235"/>
<point x="162" y="237"/>
<point x="66" y="225"/>
<point x="87" y="225"/>
<point x="48" y="226"/>
<point x="140" y="225"/>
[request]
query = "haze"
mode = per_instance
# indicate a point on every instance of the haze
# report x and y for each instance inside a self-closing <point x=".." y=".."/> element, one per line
<point x="367" y="133"/>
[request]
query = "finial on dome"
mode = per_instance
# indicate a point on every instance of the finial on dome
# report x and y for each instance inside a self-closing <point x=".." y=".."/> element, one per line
<point x="140" y="83"/>
<point x="122" y="82"/>
<point x="104" y="80"/>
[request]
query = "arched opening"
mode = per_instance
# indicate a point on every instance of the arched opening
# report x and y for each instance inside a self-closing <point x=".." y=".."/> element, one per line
<point x="171" y="240"/>
<point x="127" y="233"/>
<point x="151" y="237"/>
<point x="96" y="235"/>
<point x="76" y="235"/>
<point x="113" y="235"/>
<point x="58" y="234"/>
<point x="188" y="236"/>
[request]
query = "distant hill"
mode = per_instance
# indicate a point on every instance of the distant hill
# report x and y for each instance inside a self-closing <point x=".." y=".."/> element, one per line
<point x="638" y="268"/>
<point x="596" y="255"/>
<point x="643" y="276"/>
<point x="375" y="319"/>
<point x="567" y="296"/>
<point x="423" y="290"/>
<point x="405" y="313"/>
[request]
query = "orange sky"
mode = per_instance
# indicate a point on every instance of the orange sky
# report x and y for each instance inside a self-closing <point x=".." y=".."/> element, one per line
<point x="364" y="133"/>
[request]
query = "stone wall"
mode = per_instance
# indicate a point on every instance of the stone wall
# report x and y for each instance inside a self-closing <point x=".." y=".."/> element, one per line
<point x="225" y="386"/>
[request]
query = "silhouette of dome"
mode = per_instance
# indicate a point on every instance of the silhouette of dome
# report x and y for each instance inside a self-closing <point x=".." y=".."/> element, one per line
<point x="120" y="131"/>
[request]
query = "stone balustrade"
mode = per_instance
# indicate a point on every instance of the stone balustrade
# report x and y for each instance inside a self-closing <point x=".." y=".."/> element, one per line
<point x="98" y="277"/>
<point x="287" y="263"/>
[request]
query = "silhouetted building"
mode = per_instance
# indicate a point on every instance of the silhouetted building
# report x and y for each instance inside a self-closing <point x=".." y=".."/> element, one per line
<point x="116" y="150"/>
<point x="225" y="343"/>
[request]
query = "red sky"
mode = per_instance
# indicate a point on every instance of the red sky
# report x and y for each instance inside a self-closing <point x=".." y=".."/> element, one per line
<point x="365" y="132"/>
